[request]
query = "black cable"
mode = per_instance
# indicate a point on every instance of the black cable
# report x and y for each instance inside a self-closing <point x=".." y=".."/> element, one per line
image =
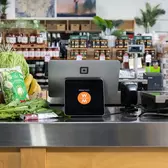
<point x="150" y="113"/>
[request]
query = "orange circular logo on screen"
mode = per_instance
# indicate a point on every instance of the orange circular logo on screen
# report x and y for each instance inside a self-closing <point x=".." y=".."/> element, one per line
<point x="84" y="98"/>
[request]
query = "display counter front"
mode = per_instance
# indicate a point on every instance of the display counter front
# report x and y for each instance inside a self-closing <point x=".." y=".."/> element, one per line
<point x="91" y="143"/>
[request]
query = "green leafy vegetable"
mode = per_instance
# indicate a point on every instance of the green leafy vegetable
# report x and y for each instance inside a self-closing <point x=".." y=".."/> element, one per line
<point x="12" y="59"/>
<point x="13" y="110"/>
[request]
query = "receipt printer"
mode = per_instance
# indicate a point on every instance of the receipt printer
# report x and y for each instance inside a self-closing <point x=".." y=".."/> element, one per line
<point x="129" y="93"/>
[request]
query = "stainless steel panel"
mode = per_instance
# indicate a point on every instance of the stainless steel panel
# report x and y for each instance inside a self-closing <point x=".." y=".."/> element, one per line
<point x="110" y="132"/>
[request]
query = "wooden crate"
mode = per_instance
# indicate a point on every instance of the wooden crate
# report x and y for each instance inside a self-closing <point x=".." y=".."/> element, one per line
<point x="75" y="27"/>
<point x="61" y="27"/>
<point x="85" y="27"/>
<point x="51" y="26"/>
<point x="95" y="27"/>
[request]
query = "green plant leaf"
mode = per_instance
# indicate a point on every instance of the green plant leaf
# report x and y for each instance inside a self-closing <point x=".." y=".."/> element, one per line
<point x="109" y="24"/>
<point x="149" y="16"/>
<point x="117" y="33"/>
<point x="139" y="21"/>
<point x="117" y="23"/>
<point x="101" y="23"/>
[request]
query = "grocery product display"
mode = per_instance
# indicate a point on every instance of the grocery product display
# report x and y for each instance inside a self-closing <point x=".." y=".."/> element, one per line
<point x="71" y="40"/>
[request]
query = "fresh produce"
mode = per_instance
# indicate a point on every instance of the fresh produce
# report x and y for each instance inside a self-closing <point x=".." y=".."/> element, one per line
<point x="10" y="59"/>
<point x="28" y="81"/>
<point x="31" y="85"/>
<point x="12" y="85"/>
<point x="13" y="110"/>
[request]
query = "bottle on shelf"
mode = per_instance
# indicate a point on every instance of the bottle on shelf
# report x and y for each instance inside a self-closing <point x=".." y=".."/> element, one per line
<point x="19" y="38"/>
<point x="126" y="61"/>
<point x="25" y="52"/>
<point x="50" y="52"/>
<point x="39" y="39"/>
<point x="55" y="53"/>
<point x="148" y="61"/>
<point x="108" y="54"/>
<point x="31" y="53"/>
<point x="25" y="39"/>
<point x="37" y="53"/>
<point x="49" y="39"/>
<point x="43" y="52"/>
<point x="33" y="38"/>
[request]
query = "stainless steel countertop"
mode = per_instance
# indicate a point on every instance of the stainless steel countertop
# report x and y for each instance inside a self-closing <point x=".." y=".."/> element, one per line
<point x="110" y="132"/>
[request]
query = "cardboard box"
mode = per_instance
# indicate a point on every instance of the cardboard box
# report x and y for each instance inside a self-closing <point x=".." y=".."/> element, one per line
<point x="95" y="27"/>
<point x="60" y="27"/>
<point x="85" y="27"/>
<point x="51" y="26"/>
<point x="75" y="27"/>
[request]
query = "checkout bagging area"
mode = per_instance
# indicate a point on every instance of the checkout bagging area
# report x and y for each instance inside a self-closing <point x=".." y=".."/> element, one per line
<point x="89" y="89"/>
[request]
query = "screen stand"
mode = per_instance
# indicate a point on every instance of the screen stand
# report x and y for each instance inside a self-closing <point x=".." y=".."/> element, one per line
<point x="84" y="97"/>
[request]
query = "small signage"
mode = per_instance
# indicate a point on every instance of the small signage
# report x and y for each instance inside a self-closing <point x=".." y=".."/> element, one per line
<point x="102" y="57"/>
<point x="47" y="58"/>
<point x="79" y="58"/>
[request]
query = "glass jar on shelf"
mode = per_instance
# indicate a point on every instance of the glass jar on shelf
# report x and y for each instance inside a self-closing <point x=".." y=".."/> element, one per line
<point x="25" y="39"/>
<point x="26" y="53"/>
<point x="40" y="39"/>
<point x="32" y="38"/>
<point x="37" y="53"/>
<point x="31" y="53"/>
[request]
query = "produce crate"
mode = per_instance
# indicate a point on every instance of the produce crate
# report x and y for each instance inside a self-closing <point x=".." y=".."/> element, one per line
<point x="75" y="27"/>
<point x="60" y="27"/>
<point x="85" y="27"/>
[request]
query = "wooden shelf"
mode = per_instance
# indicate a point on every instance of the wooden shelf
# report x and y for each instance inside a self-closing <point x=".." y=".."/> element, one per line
<point x="126" y="49"/>
<point x="89" y="48"/>
<point x="33" y="46"/>
<point x="70" y="31"/>
<point x="41" y="59"/>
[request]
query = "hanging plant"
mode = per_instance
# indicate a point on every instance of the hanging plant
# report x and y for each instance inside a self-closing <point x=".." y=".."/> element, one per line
<point x="149" y="16"/>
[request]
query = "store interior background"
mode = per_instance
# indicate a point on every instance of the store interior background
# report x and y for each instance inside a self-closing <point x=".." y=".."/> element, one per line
<point x="118" y="9"/>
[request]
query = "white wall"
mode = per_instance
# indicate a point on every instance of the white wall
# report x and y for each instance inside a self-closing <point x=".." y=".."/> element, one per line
<point x="119" y="9"/>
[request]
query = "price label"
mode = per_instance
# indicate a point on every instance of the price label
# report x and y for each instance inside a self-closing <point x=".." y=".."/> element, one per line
<point x="125" y="58"/>
<point x="79" y="58"/>
<point x="47" y="58"/>
<point x="102" y="57"/>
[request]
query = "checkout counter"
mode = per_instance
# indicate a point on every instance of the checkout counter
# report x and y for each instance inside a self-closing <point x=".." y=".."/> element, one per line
<point x="91" y="144"/>
<point x="103" y="142"/>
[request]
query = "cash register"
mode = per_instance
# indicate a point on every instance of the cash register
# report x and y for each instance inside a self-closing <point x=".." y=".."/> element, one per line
<point x="84" y="87"/>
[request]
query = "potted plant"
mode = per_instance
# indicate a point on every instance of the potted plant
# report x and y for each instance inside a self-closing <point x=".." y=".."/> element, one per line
<point x="109" y="29"/>
<point x="3" y="6"/>
<point x="149" y="16"/>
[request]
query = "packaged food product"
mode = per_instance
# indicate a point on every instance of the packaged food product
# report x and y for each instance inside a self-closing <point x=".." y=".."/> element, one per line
<point x="12" y="84"/>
